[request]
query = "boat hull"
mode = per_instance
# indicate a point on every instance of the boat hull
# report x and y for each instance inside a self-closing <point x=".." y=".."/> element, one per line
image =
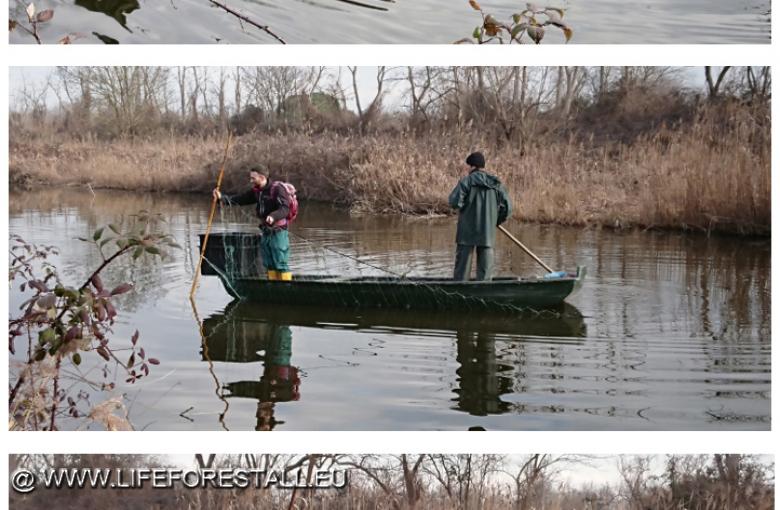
<point x="408" y="293"/>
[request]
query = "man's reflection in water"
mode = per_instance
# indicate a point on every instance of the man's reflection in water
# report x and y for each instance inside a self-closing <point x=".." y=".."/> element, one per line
<point x="236" y="340"/>
<point x="248" y="332"/>
<point x="480" y="383"/>
<point x="280" y="381"/>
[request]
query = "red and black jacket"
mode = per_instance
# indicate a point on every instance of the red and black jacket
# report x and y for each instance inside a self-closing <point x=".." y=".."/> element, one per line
<point x="273" y="200"/>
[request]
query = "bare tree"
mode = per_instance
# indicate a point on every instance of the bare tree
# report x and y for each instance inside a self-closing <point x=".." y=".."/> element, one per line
<point x="181" y="80"/>
<point x="571" y="81"/>
<point x="397" y="476"/>
<point x="464" y="478"/>
<point x="758" y="82"/>
<point x="423" y="92"/>
<point x="367" y="115"/>
<point x="271" y="87"/>
<point x="237" y="96"/>
<point x="533" y="473"/>
<point x="130" y="94"/>
<point x="713" y="87"/>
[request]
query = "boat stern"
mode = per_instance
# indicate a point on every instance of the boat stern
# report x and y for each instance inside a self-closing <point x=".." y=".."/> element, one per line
<point x="579" y="278"/>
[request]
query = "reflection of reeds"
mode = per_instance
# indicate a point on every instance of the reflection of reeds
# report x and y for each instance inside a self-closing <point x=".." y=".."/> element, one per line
<point x="703" y="176"/>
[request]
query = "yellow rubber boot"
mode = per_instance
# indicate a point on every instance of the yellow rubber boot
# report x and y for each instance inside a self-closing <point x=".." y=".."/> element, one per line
<point x="286" y="276"/>
<point x="273" y="275"/>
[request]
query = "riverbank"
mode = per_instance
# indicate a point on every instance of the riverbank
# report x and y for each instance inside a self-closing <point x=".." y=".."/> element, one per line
<point x="692" y="178"/>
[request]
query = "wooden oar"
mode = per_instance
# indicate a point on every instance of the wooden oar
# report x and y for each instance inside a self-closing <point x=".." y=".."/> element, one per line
<point x="211" y="218"/>
<point x="525" y="249"/>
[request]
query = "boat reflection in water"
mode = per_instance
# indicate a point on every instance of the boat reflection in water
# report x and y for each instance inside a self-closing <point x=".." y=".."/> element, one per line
<point x="249" y="332"/>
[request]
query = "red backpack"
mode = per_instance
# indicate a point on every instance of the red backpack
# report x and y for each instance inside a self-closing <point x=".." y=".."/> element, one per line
<point x="293" y="199"/>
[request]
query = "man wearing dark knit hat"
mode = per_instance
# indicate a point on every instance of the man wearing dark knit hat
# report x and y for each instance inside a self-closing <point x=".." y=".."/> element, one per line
<point x="483" y="204"/>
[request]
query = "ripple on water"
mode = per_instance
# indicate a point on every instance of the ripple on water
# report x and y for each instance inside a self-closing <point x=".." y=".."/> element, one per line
<point x="669" y="332"/>
<point x="404" y="21"/>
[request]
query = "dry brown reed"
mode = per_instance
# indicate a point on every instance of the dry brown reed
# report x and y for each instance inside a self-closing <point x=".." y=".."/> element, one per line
<point x="711" y="174"/>
<point x="734" y="482"/>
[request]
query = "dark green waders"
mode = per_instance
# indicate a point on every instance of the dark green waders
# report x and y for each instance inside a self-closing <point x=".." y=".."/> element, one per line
<point x="275" y="247"/>
<point x="463" y="262"/>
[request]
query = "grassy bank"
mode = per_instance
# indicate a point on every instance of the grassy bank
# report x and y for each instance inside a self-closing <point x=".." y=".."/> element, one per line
<point x="711" y="174"/>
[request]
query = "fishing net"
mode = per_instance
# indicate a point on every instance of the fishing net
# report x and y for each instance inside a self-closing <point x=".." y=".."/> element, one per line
<point x="345" y="278"/>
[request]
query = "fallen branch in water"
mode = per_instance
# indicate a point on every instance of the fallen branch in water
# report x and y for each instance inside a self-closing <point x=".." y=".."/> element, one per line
<point x="368" y="6"/>
<point x="243" y="17"/>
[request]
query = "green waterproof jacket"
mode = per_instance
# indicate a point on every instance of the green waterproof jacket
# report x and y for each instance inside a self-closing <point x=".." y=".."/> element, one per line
<point x="483" y="203"/>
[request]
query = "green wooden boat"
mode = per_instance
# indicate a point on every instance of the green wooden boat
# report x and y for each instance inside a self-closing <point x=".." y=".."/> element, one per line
<point x="233" y="257"/>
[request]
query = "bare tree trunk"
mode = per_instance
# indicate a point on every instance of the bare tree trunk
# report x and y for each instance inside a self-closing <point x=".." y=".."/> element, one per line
<point x="410" y="480"/>
<point x="602" y="82"/>
<point x="194" y="114"/>
<point x="181" y="79"/>
<point x="237" y="91"/>
<point x="714" y="88"/>
<point x="221" y="109"/>
<point x="353" y="70"/>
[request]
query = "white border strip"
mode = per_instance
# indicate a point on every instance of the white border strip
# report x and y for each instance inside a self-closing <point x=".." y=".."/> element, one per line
<point x="390" y="55"/>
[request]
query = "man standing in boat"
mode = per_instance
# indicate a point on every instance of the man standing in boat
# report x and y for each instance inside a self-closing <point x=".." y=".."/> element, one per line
<point x="276" y="206"/>
<point x="483" y="204"/>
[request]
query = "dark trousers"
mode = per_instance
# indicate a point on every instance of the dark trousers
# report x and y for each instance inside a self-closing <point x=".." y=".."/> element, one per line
<point x="463" y="262"/>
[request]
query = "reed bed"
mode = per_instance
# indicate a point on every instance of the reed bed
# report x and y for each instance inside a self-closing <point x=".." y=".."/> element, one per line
<point x="710" y="174"/>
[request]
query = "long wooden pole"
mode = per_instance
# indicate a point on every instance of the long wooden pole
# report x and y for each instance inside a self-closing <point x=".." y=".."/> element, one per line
<point x="525" y="249"/>
<point x="211" y="218"/>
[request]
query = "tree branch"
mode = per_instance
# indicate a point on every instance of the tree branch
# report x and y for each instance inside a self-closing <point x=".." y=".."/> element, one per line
<point x="243" y="17"/>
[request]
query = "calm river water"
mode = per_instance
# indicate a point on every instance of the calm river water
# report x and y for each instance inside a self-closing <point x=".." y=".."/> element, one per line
<point x="670" y="331"/>
<point x="393" y="21"/>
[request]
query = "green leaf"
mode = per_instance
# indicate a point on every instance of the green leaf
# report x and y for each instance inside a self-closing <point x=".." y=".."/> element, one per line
<point x="153" y="250"/>
<point x="76" y="358"/>
<point x="98" y="233"/>
<point x="113" y="227"/>
<point x="138" y="252"/>
<point x="477" y="33"/>
<point x="46" y="336"/>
